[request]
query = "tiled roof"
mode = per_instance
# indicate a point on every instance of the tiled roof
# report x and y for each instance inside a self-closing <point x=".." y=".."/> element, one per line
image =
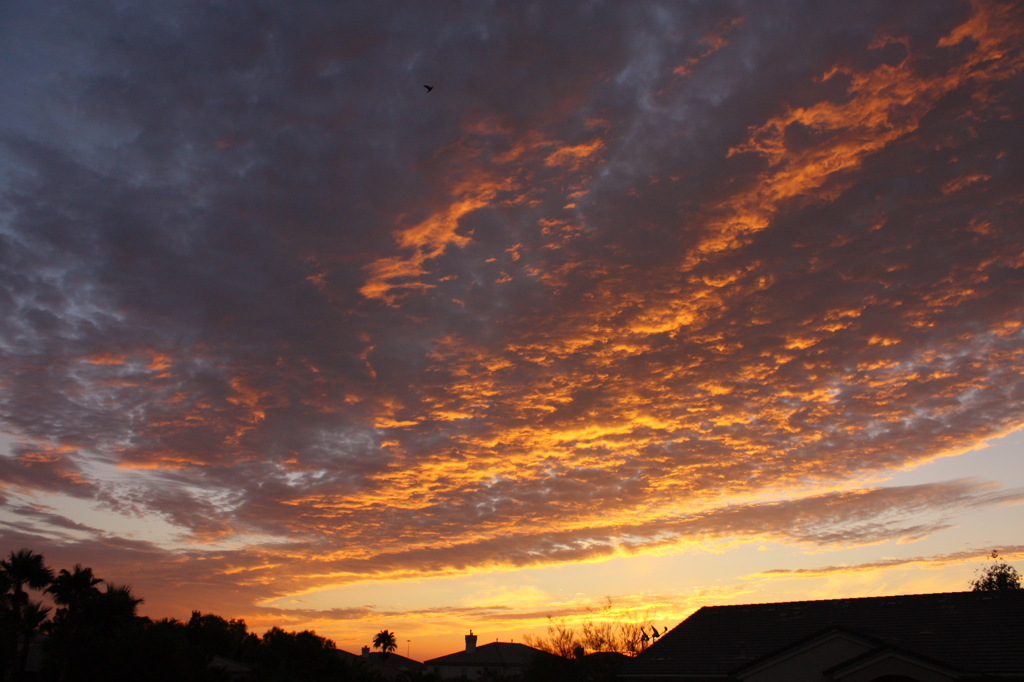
<point x="980" y="632"/>
<point x="493" y="655"/>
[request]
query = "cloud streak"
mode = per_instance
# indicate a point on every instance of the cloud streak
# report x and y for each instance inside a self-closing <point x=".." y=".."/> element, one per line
<point x="1012" y="552"/>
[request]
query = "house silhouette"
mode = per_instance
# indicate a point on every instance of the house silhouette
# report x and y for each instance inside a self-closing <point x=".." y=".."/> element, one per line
<point x="970" y="636"/>
<point x="484" y="661"/>
<point x="391" y="666"/>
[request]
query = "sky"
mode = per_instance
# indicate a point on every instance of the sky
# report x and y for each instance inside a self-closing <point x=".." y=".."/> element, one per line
<point x="644" y="306"/>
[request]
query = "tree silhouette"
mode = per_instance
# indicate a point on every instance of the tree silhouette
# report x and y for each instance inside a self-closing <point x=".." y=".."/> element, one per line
<point x="299" y="657"/>
<point x="385" y="641"/>
<point x="101" y="637"/>
<point x="998" y="576"/>
<point x="74" y="592"/>
<point x="22" y="568"/>
<point x="72" y="589"/>
<point x="21" y="616"/>
<point x="33" y="615"/>
<point x="611" y="630"/>
<point x="210" y="635"/>
<point x="8" y="628"/>
<point x="96" y="635"/>
<point x="118" y="604"/>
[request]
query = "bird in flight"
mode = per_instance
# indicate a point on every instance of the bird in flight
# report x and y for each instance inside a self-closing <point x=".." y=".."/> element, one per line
<point x="429" y="87"/>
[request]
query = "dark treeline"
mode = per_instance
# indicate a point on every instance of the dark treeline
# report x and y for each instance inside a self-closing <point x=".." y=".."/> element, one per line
<point x="95" y="634"/>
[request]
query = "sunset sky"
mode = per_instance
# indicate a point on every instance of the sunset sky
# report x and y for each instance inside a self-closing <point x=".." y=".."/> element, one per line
<point x="666" y="304"/>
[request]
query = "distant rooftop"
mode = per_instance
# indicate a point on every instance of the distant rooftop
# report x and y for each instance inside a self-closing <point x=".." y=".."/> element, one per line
<point x="493" y="655"/>
<point x="389" y="667"/>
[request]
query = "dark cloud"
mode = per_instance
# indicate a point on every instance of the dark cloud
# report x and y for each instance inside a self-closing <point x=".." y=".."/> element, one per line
<point x="623" y="258"/>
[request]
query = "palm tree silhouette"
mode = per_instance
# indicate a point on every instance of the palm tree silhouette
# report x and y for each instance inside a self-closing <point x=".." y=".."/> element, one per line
<point x="20" y="569"/>
<point x="74" y="592"/>
<point x="33" y="614"/>
<point x="116" y="606"/>
<point x="71" y="589"/>
<point x="385" y="641"/>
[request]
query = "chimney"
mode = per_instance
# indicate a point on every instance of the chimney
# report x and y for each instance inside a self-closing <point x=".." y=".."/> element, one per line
<point x="366" y="652"/>
<point x="470" y="642"/>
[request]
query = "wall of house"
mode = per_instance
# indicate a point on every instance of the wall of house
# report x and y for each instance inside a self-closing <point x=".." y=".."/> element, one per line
<point x="457" y="672"/>
<point x="472" y="672"/>
<point x="806" y="665"/>
<point x="895" y="666"/>
<point x="451" y="672"/>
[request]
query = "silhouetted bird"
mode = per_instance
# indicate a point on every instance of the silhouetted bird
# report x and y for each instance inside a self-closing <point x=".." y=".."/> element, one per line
<point x="429" y="87"/>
